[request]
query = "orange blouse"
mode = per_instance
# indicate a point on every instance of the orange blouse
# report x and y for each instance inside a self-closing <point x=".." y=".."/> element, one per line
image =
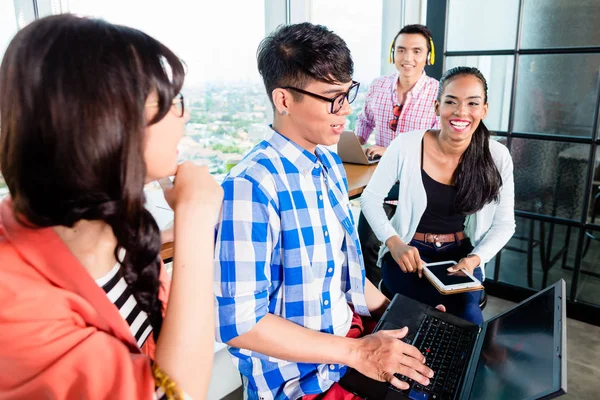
<point x="60" y="336"/>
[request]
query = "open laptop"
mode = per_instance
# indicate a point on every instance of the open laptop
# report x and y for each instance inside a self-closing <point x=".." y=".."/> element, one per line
<point x="519" y="354"/>
<point x="350" y="150"/>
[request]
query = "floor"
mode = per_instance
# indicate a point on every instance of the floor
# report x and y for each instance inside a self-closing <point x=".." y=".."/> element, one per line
<point x="583" y="356"/>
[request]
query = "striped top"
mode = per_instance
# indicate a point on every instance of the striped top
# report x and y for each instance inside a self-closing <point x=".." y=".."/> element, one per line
<point x="121" y="296"/>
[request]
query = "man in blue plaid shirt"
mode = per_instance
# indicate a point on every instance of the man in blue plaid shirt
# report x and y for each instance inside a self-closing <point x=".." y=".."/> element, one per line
<point x="287" y="259"/>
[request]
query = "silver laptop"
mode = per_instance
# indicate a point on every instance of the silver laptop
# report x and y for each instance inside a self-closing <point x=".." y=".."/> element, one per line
<point x="350" y="150"/>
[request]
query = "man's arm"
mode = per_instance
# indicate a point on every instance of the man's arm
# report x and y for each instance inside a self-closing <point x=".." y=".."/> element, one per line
<point x="377" y="303"/>
<point x="366" y="120"/>
<point x="377" y="356"/>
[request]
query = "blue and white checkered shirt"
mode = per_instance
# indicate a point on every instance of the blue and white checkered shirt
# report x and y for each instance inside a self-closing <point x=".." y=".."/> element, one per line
<point x="273" y="223"/>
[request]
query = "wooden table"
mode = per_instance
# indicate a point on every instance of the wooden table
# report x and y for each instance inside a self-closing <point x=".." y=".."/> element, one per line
<point x="358" y="178"/>
<point x="166" y="251"/>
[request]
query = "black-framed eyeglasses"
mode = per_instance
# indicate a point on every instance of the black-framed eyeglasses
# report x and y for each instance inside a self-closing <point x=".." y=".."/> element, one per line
<point x="337" y="102"/>
<point x="177" y="105"/>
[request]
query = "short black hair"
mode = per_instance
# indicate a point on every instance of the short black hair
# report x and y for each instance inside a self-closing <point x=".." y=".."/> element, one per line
<point x="416" y="29"/>
<point x="294" y="55"/>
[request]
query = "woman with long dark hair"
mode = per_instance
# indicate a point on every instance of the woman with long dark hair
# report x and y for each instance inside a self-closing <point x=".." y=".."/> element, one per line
<point x="456" y="197"/>
<point x="89" y="113"/>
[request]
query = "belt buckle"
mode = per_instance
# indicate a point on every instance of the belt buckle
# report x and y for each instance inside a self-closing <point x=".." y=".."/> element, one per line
<point x="437" y="242"/>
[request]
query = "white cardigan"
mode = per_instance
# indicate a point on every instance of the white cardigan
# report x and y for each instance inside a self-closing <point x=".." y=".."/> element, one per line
<point x="489" y="228"/>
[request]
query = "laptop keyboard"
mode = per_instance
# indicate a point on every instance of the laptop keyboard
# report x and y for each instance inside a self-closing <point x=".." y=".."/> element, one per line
<point x="447" y="349"/>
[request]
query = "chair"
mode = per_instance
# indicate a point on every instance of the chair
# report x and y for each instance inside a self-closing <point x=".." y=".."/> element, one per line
<point x="482" y="301"/>
<point x="589" y="234"/>
<point x="532" y="243"/>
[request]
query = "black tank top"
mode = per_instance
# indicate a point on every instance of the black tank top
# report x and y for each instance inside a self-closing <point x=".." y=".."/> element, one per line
<point x="440" y="215"/>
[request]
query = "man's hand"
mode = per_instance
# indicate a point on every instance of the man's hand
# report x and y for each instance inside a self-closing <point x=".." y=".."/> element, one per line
<point x="375" y="152"/>
<point x="382" y="354"/>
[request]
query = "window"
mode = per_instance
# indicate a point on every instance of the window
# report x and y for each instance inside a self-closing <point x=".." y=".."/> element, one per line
<point x="8" y="27"/>
<point x="482" y="25"/>
<point x="557" y="94"/>
<point x="8" y="24"/>
<point x="359" y="23"/>
<point x="560" y="23"/>
<point x="223" y="89"/>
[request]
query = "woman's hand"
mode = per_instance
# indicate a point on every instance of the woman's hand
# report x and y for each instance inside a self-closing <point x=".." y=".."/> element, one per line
<point x="468" y="263"/>
<point x="406" y="256"/>
<point x="193" y="186"/>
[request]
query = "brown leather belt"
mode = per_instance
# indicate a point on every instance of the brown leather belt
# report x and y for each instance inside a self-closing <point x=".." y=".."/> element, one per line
<point x="439" y="238"/>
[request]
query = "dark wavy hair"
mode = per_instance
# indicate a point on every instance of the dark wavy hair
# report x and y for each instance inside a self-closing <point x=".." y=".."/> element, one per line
<point x="72" y="96"/>
<point x="476" y="178"/>
<point x="294" y="55"/>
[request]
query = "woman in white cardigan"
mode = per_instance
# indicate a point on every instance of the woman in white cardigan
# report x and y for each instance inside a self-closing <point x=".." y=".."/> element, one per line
<point x="456" y="198"/>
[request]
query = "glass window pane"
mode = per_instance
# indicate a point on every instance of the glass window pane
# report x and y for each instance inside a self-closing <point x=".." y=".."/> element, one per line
<point x="593" y="216"/>
<point x="223" y="89"/>
<point x="8" y="28"/>
<point x="8" y="24"/>
<point x="359" y="23"/>
<point x="589" y="285"/>
<point x="482" y="25"/>
<point x="498" y="71"/>
<point x="560" y="23"/>
<point x="557" y="93"/>
<point x="550" y="177"/>
<point x="513" y="266"/>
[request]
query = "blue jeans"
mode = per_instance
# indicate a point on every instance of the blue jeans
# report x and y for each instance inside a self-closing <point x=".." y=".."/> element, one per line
<point x="464" y="305"/>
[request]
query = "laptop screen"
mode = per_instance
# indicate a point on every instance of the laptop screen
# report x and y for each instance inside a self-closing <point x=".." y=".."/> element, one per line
<point x="517" y="360"/>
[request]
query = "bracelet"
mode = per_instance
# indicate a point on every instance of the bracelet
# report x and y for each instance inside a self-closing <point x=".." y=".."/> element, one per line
<point x="164" y="381"/>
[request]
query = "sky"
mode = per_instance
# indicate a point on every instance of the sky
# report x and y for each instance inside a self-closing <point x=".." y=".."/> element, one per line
<point x="218" y="39"/>
<point x="8" y="24"/>
<point x="358" y="22"/>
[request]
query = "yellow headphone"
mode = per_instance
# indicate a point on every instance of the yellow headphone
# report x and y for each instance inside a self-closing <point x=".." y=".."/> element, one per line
<point x="430" y="56"/>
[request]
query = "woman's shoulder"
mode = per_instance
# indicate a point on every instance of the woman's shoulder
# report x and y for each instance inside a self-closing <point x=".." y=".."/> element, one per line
<point x="501" y="156"/>
<point x="499" y="150"/>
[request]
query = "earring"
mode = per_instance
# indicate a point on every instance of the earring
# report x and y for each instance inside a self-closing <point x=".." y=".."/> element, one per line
<point x="284" y="112"/>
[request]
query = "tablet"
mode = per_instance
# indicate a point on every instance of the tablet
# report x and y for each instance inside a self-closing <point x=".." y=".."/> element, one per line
<point x="450" y="282"/>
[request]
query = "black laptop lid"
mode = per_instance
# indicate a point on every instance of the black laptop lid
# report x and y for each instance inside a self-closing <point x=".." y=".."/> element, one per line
<point x="520" y="356"/>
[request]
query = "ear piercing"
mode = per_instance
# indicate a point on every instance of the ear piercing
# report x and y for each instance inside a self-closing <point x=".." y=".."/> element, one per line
<point x="284" y="112"/>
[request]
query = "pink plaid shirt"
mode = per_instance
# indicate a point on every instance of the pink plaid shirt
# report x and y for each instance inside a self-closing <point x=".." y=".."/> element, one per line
<point x="418" y="111"/>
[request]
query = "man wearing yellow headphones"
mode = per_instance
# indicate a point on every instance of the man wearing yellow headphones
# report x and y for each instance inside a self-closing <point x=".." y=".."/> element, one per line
<point x="401" y="102"/>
